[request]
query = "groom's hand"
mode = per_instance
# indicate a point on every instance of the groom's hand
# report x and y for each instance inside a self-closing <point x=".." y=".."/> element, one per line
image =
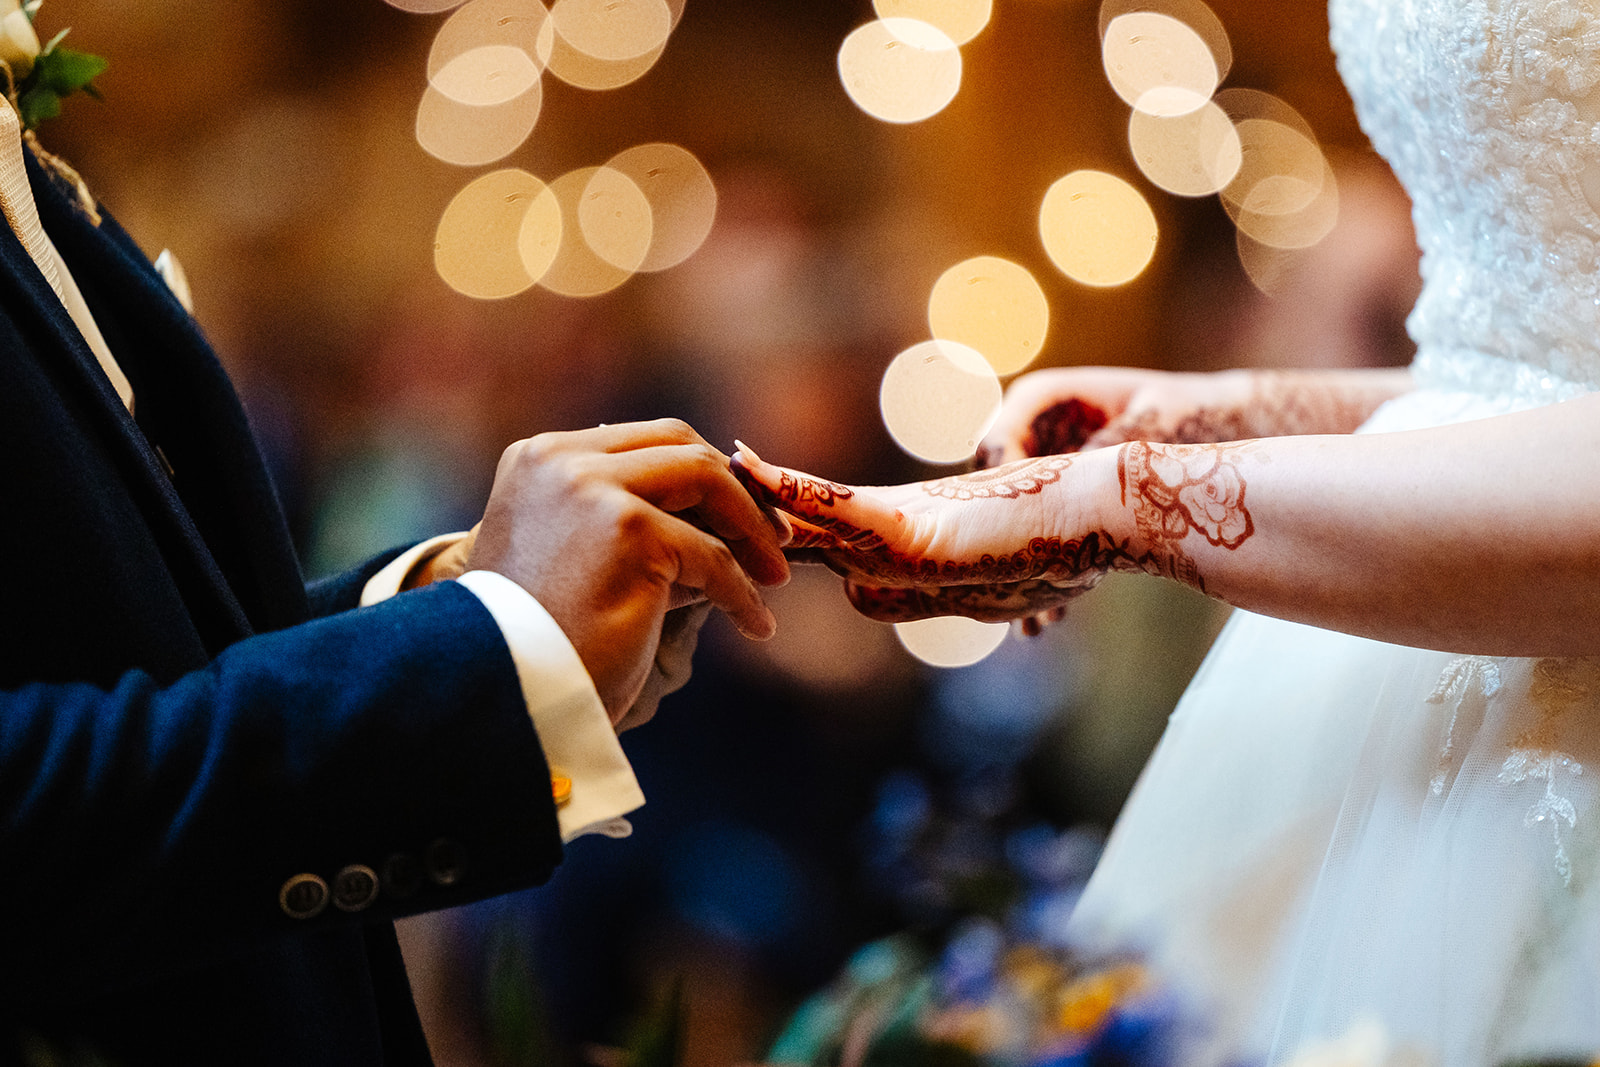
<point x="609" y="528"/>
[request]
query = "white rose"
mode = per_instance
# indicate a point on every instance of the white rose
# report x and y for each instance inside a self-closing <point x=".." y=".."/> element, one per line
<point x="19" y="45"/>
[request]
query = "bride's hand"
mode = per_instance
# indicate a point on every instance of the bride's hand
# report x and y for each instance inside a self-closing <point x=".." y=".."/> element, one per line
<point x="1075" y="409"/>
<point x="996" y="545"/>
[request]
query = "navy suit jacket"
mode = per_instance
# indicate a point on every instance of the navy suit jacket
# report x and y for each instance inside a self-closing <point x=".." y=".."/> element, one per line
<point x="185" y="727"/>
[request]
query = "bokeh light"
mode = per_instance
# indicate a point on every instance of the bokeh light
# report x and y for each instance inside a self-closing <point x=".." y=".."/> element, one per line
<point x="488" y="75"/>
<point x="613" y="30"/>
<point x="615" y="219"/>
<point x="473" y="136"/>
<point x="520" y="24"/>
<point x="539" y="235"/>
<point x="1159" y="64"/>
<point x="424" y="7"/>
<point x="583" y="71"/>
<point x="1192" y="13"/>
<point x="1097" y="229"/>
<point x="900" y="69"/>
<point x="1189" y="155"/>
<point x="951" y="641"/>
<point x="959" y="20"/>
<point x="682" y="199"/>
<point x="1268" y="268"/>
<point x="938" y="399"/>
<point x="994" y="306"/>
<point x="1285" y="194"/>
<point x="577" y="270"/>
<point x="476" y="249"/>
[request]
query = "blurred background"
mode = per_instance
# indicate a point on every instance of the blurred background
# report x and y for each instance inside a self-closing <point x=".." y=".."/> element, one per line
<point x="274" y="148"/>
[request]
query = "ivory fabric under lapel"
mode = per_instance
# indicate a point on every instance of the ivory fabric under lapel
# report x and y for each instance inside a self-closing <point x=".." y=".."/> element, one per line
<point x="179" y="736"/>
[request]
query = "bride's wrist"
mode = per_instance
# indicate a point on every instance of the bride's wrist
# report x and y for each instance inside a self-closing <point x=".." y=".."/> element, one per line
<point x="1180" y="503"/>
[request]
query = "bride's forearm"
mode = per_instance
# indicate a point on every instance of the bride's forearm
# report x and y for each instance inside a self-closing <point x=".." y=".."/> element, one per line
<point x="1242" y="404"/>
<point x="1481" y="537"/>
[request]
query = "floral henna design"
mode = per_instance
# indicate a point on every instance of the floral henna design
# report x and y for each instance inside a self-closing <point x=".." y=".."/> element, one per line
<point x="1179" y="490"/>
<point x="865" y="552"/>
<point x="1007" y="482"/>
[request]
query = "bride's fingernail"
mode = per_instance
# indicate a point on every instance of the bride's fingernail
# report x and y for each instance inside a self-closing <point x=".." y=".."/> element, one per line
<point x="749" y="452"/>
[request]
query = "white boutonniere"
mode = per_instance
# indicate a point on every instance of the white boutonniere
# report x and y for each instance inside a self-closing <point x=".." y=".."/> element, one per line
<point x="41" y="75"/>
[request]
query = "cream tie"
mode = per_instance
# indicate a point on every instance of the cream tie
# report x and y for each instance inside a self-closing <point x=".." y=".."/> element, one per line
<point x="16" y="201"/>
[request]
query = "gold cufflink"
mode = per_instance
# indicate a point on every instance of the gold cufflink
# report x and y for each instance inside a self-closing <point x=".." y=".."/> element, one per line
<point x="560" y="789"/>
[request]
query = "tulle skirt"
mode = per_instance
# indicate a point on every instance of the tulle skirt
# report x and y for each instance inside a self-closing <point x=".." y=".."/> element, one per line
<point x="1336" y="833"/>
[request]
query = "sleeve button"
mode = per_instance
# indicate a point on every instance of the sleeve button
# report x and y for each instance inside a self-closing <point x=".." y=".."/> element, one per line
<point x="303" y="896"/>
<point x="355" y="888"/>
<point x="446" y="861"/>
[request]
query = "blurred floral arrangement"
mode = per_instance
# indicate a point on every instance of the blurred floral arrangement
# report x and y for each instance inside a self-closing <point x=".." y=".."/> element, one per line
<point x="987" y="999"/>
<point x="986" y="978"/>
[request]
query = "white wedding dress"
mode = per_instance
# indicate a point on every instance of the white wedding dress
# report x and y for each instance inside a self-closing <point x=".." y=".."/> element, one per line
<point x="1336" y="831"/>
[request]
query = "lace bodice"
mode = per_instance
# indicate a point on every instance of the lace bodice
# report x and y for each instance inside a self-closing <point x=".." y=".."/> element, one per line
<point x="1489" y="112"/>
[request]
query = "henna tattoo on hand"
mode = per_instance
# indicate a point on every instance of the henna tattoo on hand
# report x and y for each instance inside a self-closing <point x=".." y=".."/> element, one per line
<point x="1008" y="482"/>
<point x="1178" y="490"/>
<point x="1173" y="492"/>
<point x="994" y="602"/>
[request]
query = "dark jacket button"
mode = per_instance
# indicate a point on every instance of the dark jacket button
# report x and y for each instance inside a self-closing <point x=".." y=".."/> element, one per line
<point x="446" y="861"/>
<point x="303" y="896"/>
<point x="402" y="875"/>
<point x="355" y="888"/>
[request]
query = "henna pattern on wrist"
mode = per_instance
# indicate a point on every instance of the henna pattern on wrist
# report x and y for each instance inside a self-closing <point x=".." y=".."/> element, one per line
<point x="1178" y="490"/>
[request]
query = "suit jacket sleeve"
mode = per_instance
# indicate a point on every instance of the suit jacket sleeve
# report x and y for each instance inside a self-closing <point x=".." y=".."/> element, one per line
<point x="154" y="826"/>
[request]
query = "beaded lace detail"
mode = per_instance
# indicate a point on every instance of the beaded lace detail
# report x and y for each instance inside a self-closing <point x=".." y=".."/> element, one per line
<point x="1489" y="112"/>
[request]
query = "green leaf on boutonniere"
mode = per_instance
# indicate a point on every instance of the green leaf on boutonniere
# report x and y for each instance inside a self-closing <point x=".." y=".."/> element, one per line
<point x="64" y="72"/>
<point x="37" y="104"/>
<point x="57" y="72"/>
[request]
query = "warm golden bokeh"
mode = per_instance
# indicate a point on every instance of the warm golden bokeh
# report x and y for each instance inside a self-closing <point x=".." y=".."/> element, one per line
<point x="583" y="71"/>
<point x="578" y="270"/>
<point x="938" y="399"/>
<point x="959" y="20"/>
<point x="682" y="200"/>
<point x="472" y="136"/>
<point x="615" y="219"/>
<point x="520" y="24"/>
<point x="475" y="249"/>
<point x="951" y="641"/>
<point x="1192" y="13"/>
<point x="613" y="30"/>
<point x="424" y="7"/>
<point x="1187" y="155"/>
<point x="1097" y="229"/>
<point x="1159" y="64"/>
<point x="487" y="75"/>
<point x="900" y="70"/>
<point x="994" y="306"/>
<point x="539" y="234"/>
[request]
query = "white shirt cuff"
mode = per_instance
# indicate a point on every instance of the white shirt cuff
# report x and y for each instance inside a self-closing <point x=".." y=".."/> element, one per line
<point x="387" y="582"/>
<point x="579" y="741"/>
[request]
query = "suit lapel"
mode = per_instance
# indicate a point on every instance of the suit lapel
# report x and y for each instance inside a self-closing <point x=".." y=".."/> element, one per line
<point x="98" y="263"/>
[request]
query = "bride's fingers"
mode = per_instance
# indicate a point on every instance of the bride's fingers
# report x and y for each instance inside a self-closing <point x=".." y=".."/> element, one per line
<point x="858" y="519"/>
<point x="808" y="537"/>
